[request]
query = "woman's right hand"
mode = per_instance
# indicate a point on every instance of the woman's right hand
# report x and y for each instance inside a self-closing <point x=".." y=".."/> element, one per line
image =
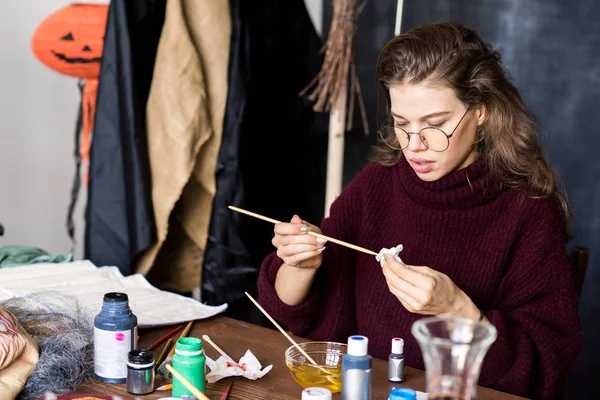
<point x="295" y="246"/>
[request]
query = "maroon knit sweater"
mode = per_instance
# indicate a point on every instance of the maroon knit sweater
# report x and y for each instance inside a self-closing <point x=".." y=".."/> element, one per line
<point x="505" y="250"/>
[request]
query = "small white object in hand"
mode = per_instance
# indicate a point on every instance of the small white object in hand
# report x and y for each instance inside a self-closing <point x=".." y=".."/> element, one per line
<point x="393" y="251"/>
<point x="248" y="367"/>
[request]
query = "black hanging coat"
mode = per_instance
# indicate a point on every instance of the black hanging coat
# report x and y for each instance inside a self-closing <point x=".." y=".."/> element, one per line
<point x="273" y="154"/>
<point x="119" y="215"/>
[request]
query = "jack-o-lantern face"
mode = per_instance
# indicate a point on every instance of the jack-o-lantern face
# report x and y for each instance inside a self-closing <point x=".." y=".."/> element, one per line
<point x="86" y="50"/>
<point x="71" y="40"/>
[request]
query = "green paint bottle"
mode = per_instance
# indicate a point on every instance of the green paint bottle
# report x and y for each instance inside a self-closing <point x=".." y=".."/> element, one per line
<point x="189" y="360"/>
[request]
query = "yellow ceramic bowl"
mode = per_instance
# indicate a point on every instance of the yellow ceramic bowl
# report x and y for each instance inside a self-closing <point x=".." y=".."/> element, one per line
<point x="327" y="373"/>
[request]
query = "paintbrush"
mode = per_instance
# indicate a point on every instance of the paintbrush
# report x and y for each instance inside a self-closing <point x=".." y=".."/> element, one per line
<point x="226" y="392"/>
<point x="185" y="332"/>
<point x="161" y="368"/>
<point x="162" y="339"/>
<point x="163" y="353"/>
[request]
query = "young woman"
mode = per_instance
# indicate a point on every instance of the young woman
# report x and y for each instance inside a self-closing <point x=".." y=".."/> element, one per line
<point x="461" y="182"/>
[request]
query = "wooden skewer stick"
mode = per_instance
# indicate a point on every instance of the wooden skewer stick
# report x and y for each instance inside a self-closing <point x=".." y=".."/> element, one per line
<point x="207" y="339"/>
<point x="315" y="234"/>
<point x="183" y="334"/>
<point x="199" y="395"/>
<point x="288" y="337"/>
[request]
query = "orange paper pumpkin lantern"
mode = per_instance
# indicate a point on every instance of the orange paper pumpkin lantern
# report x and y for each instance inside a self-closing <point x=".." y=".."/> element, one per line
<point x="70" y="41"/>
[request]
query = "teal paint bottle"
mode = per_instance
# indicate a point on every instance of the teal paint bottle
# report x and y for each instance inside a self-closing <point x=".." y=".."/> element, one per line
<point x="189" y="360"/>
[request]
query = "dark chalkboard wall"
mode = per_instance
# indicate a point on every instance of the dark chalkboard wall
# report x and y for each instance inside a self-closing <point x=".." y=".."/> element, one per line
<point x="551" y="48"/>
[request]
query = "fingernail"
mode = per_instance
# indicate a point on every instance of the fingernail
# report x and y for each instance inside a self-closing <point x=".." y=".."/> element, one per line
<point x="305" y="228"/>
<point x="321" y="240"/>
<point x="321" y="249"/>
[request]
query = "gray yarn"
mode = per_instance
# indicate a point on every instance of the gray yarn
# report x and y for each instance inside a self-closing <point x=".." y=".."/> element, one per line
<point x="64" y="334"/>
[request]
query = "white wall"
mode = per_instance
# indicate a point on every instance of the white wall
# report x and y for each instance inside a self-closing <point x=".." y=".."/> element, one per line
<point x="38" y="109"/>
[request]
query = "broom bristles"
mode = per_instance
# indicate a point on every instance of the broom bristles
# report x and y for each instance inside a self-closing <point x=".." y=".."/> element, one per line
<point x="339" y="64"/>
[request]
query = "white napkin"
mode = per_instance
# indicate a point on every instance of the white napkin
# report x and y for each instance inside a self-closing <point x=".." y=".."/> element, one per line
<point x="248" y="367"/>
<point x="393" y="251"/>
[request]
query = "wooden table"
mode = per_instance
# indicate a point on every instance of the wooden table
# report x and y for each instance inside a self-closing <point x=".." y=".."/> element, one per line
<point x="268" y="345"/>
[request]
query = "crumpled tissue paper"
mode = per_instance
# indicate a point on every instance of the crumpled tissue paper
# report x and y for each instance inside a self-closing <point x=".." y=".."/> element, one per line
<point x="248" y="367"/>
<point x="393" y="251"/>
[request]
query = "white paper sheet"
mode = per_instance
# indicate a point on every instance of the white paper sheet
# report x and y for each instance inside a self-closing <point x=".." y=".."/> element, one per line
<point x="82" y="279"/>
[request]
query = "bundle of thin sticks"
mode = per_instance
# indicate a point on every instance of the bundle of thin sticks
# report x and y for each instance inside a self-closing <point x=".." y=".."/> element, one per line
<point x="339" y="64"/>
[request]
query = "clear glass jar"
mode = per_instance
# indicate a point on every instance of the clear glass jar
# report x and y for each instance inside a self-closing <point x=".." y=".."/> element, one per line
<point x="453" y="350"/>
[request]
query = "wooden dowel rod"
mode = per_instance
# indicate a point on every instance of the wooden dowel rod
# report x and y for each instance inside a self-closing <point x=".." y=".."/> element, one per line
<point x="315" y="234"/>
<point x="288" y="337"/>
<point x="207" y="339"/>
<point x="199" y="395"/>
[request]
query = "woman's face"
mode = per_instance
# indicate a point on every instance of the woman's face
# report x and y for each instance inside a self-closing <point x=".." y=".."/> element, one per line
<point x="418" y="106"/>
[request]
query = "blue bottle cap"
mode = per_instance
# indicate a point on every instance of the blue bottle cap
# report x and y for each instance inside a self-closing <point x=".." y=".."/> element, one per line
<point x="403" y="394"/>
<point x="358" y="345"/>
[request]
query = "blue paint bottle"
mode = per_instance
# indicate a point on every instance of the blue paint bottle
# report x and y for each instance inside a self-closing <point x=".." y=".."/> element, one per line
<point x="115" y="335"/>
<point x="356" y="370"/>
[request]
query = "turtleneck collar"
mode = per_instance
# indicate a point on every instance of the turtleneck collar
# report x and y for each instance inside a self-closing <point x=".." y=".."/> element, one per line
<point x="467" y="187"/>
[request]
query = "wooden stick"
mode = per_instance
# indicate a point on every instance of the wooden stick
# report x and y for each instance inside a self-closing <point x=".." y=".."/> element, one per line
<point x="398" y="25"/>
<point x="288" y="337"/>
<point x="183" y="334"/>
<point x="255" y="215"/>
<point x="162" y="339"/>
<point x="199" y="395"/>
<point x="342" y="243"/>
<point x="164" y="388"/>
<point x="207" y="339"/>
<point x="335" y="150"/>
<point x="315" y="234"/>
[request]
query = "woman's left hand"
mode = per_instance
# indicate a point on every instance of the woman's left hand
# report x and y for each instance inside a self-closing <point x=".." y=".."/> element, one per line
<point x="423" y="290"/>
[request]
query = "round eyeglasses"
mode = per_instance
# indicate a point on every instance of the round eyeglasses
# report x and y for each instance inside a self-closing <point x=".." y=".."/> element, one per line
<point x="433" y="138"/>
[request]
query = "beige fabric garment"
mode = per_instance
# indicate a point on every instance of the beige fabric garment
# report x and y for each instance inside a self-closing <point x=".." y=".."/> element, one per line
<point x="185" y="113"/>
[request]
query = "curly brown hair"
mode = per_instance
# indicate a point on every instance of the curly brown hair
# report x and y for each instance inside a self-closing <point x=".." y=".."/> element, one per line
<point x="453" y="55"/>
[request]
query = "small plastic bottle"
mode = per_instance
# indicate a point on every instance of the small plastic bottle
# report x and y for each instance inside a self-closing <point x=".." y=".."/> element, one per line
<point x="356" y="370"/>
<point x="402" y="394"/>
<point x="140" y="372"/>
<point x="396" y="361"/>
<point x="189" y="360"/>
<point x="115" y="335"/>
<point x="316" y="393"/>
